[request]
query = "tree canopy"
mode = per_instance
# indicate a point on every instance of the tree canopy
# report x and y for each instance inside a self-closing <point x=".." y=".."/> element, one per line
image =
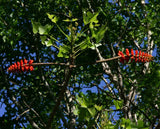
<point x="92" y="60"/>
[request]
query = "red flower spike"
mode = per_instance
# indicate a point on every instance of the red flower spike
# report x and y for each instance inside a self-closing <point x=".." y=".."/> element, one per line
<point x="21" y="66"/>
<point x="138" y="57"/>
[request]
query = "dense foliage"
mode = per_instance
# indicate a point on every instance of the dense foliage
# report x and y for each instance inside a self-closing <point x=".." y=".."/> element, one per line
<point x="79" y="89"/>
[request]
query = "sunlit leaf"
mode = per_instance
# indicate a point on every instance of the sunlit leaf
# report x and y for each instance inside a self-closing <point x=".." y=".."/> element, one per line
<point x="52" y="17"/>
<point x="99" y="108"/>
<point x="64" y="51"/>
<point x="35" y="26"/>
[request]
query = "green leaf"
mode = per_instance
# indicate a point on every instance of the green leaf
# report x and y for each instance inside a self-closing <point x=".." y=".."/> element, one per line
<point x="41" y="29"/>
<point x="35" y="26"/>
<point x="99" y="108"/>
<point x="125" y="123"/>
<point x="140" y="123"/>
<point x="92" y="111"/>
<point x="67" y="20"/>
<point x="75" y="111"/>
<point x="118" y="104"/>
<point x="84" y="114"/>
<point x="74" y="19"/>
<point x="71" y="20"/>
<point x="53" y="18"/>
<point x="43" y="38"/>
<point x="85" y="44"/>
<point x="64" y="51"/>
<point x="49" y="43"/>
<point x="70" y="14"/>
<point x="44" y="29"/>
<point x="98" y="35"/>
<point x="89" y="17"/>
<point x="82" y="102"/>
<point x="4" y="38"/>
<point x="46" y="42"/>
<point x="38" y="28"/>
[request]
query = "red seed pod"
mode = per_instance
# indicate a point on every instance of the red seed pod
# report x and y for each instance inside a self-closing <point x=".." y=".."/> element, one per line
<point x="136" y="53"/>
<point x="15" y="66"/>
<point x="25" y="61"/>
<point x="26" y="68"/>
<point x="23" y="69"/>
<point x="140" y="56"/>
<point x="132" y="52"/>
<point x="128" y="56"/>
<point x="21" y="62"/>
<point x="18" y="64"/>
<point x="30" y="62"/>
<point x="132" y="55"/>
<point x="31" y="68"/>
<point x="127" y="52"/>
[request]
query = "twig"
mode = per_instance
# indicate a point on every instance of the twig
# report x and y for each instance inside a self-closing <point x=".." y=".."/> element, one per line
<point x="109" y="87"/>
<point x="22" y="114"/>
<point x="73" y="66"/>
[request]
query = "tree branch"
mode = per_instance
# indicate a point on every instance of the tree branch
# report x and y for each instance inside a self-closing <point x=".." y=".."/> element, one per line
<point x="67" y="76"/>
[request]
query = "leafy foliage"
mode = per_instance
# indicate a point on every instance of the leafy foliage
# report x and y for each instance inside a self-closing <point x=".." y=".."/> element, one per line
<point x="81" y="93"/>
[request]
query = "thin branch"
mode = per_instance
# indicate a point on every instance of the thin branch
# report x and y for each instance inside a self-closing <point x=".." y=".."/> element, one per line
<point x="114" y="97"/>
<point x="22" y="114"/>
<point x="64" y="64"/>
<point x="137" y="45"/>
<point x="90" y="7"/>
<point x="109" y="87"/>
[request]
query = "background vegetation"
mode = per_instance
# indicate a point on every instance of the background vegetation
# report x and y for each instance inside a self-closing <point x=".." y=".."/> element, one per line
<point x="104" y="95"/>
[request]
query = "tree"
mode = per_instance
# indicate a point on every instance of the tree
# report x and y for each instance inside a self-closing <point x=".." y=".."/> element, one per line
<point x="82" y="40"/>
